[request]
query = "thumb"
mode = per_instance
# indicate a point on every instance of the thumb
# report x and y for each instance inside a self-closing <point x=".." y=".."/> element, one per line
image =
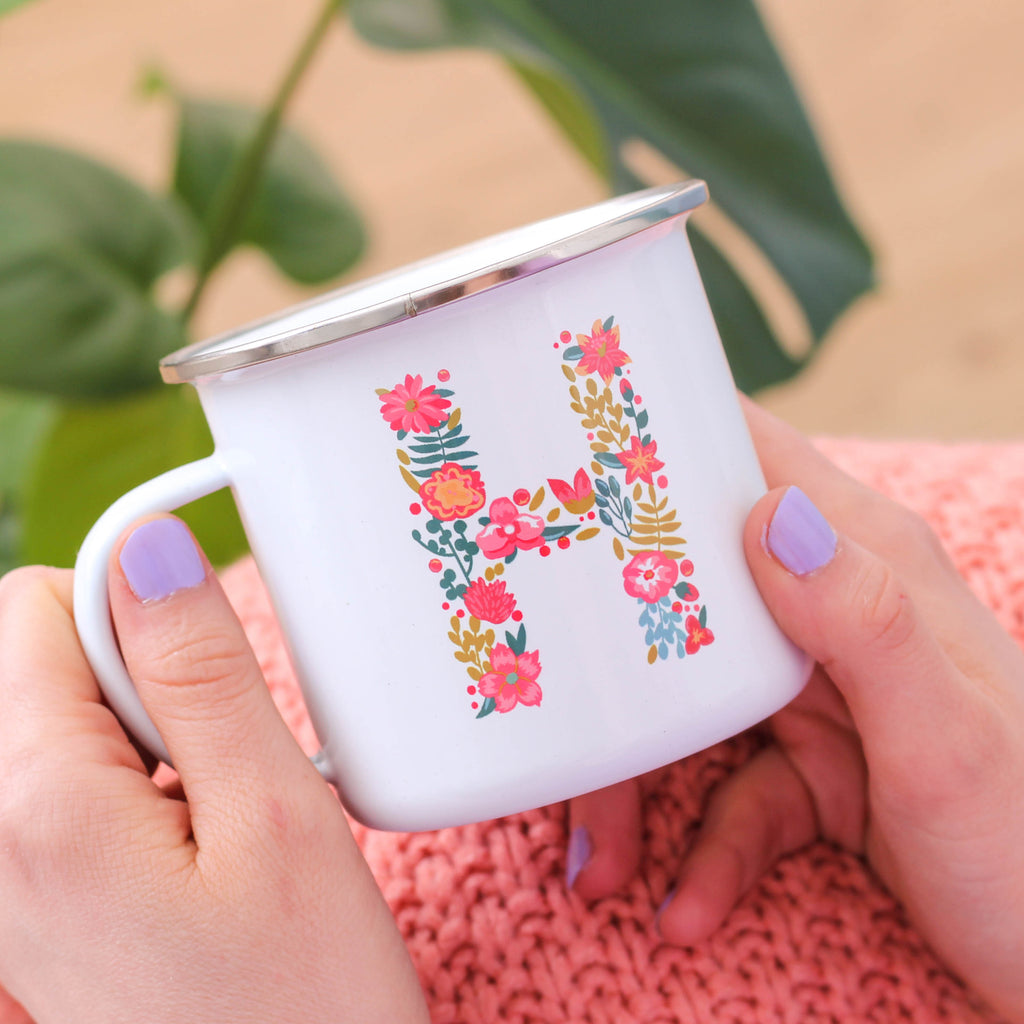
<point x="852" y="613"/>
<point x="195" y="671"/>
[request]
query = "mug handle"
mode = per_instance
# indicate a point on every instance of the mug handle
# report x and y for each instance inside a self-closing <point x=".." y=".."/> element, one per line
<point x="163" y="493"/>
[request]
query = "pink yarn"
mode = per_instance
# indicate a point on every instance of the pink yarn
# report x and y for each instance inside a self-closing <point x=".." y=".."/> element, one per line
<point x="497" y="938"/>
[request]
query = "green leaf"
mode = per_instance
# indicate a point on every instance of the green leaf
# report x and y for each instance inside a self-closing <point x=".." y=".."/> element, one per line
<point x="487" y="707"/>
<point x="555" y="532"/>
<point x="608" y="459"/>
<point x="9" y="5"/>
<point x="517" y="641"/>
<point x="80" y="248"/>
<point x="22" y="422"/>
<point x="699" y="82"/>
<point x="92" y="454"/>
<point x="755" y="355"/>
<point x="571" y="111"/>
<point x="300" y="217"/>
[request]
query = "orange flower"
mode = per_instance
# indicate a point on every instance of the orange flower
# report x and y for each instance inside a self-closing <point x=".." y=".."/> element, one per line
<point x="453" y="492"/>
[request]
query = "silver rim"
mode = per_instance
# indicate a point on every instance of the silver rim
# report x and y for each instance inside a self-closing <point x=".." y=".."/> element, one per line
<point x="218" y="355"/>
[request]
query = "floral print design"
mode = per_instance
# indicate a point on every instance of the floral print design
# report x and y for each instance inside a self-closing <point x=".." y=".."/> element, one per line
<point x="510" y="529"/>
<point x="488" y="601"/>
<point x="512" y="679"/>
<point x="624" y="496"/>
<point x="600" y="352"/>
<point x="629" y="489"/>
<point x="411" y="406"/>
<point x="650" y="576"/>
<point x="452" y="492"/>
<point x="469" y="552"/>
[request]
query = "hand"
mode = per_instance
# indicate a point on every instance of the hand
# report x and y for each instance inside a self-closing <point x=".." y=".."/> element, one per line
<point x="907" y="745"/>
<point x="238" y="896"/>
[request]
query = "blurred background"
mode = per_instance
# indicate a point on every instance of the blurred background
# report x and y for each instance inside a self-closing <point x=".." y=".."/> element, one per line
<point x="918" y="108"/>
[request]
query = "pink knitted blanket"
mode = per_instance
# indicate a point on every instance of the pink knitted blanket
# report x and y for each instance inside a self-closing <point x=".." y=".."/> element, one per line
<point x="497" y="938"/>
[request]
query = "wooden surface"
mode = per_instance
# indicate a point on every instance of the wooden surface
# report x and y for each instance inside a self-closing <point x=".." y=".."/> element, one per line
<point x="919" y="107"/>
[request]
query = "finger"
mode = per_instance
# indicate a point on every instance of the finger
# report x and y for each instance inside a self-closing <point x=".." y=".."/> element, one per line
<point x="788" y="457"/>
<point x="195" y="672"/>
<point x="850" y="611"/>
<point x="47" y="689"/>
<point x="758" y="815"/>
<point x="604" y="840"/>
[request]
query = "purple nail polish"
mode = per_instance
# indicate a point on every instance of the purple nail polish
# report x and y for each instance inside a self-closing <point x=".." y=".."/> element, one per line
<point x="577" y="854"/>
<point x="160" y="558"/>
<point x="799" y="536"/>
<point x="669" y="897"/>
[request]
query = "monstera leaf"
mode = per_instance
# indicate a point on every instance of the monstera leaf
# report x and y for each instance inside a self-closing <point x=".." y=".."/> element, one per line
<point x="702" y="84"/>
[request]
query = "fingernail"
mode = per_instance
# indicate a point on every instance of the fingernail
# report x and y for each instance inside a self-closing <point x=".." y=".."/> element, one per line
<point x="160" y="558"/>
<point x="798" y="535"/>
<point x="577" y="854"/>
<point x="662" y="908"/>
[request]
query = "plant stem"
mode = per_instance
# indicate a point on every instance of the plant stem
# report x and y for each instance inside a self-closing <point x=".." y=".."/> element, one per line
<point x="234" y="197"/>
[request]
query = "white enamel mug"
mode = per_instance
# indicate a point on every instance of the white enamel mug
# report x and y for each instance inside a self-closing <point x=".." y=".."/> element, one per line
<point x="497" y="500"/>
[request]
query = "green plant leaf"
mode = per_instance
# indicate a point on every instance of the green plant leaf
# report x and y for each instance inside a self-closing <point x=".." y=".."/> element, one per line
<point x="702" y="84"/>
<point x="9" y="5"/>
<point x="23" y="420"/>
<point x="755" y="355"/>
<point x="92" y="454"/>
<point x="300" y="217"/>
<point x="80" y="248"/>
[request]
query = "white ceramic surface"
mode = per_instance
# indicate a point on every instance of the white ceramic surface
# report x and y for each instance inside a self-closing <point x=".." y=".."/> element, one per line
<point x="630" y="631"/>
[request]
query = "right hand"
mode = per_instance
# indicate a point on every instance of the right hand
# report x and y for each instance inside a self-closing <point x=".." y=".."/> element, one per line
<point x="907" y="745"/>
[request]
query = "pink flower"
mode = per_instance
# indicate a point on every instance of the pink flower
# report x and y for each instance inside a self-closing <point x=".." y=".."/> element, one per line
<point x="578" y="497"/>
<point x="488" y="601"/>
<point x="640" y="461"/>
<point x="411" y="406"/>
<point x="650" y="576"/>
<point x="509" y="529"/>
<point x="512" y="680"/>
<point x="601" y="352"/>
<point x="452" y="492"/>
<point x="697" y="636"/>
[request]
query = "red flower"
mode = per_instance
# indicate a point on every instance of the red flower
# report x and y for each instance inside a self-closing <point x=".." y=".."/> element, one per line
<point x="488" y="601"/>
<point x="601" y="352"/>
<point x="512" y="680"/>
<point x="509" y="529"/>
<point x="452" y="492"/>
<point x="577" y="498"/>
<point x="697" y="636"/>
<point x="640" y="461"/>
<point x="650" y="576"/>
<point x="411" y="406"/>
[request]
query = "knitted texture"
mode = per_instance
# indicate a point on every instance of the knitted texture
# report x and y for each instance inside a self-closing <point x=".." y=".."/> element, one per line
<point x="496" y="937"/>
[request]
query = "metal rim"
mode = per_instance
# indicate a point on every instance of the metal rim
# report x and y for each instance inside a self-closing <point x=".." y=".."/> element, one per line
<point x="218" y="355"/>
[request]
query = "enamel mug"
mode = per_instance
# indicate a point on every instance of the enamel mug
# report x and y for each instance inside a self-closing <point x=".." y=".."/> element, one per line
<point x="496" y="498"/>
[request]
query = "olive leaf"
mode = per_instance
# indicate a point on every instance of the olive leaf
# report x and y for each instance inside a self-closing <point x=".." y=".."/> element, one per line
<point x="80" y="249"/>
<point x="299" y="216"/>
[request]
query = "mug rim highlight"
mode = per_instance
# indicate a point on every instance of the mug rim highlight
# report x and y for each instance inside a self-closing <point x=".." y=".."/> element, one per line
<point x="268" y="339"/>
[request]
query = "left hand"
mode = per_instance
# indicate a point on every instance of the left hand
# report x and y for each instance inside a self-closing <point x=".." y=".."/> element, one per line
<point x="242" y="895"/>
